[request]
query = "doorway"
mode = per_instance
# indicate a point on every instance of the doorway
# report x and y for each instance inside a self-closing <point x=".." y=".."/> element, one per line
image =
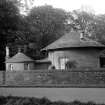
<point x="102" y="62"/>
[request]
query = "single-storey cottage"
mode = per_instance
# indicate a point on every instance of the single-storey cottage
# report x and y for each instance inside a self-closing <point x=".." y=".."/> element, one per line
<point x="74" y="50"/>
<point x="19" y="62"/>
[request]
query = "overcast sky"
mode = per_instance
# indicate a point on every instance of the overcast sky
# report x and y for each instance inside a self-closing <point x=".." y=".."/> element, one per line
<point x="97" y="5"/>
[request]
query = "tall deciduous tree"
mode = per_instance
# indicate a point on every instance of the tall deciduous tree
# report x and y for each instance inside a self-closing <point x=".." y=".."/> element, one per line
<point x="99" y="28"/>
<point x="46" y="24"/>
<point x="82" y="21"/>
<point x="92" y="25"/>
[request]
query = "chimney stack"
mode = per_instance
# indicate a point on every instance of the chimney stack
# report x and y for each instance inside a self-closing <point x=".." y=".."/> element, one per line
<point x="7" y="52"/>
<point x="19" y="50"/>
<point x="81" y="35"/>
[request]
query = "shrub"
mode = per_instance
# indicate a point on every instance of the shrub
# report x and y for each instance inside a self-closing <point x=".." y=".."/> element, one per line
<point x="71" y="64"/>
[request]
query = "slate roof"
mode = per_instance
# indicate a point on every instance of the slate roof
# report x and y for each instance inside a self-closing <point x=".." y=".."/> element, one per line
<point x="19" y="58"/>
<point x="72" y="40"/>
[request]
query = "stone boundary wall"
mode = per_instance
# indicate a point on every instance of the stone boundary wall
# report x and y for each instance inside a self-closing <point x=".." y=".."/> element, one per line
<point x="53" y="78"/>
<point x="2" y="74"/>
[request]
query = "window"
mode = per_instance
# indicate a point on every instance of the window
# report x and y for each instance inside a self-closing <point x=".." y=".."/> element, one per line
<point x="26" y="66"/>
<point x="11" y="67"/>
<point x="63" y="62"/>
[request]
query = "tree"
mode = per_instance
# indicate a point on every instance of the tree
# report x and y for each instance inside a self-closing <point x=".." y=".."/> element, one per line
<point x="99" y="28"/>
<point x="93" y="26"/>
<point x="46" y="24"/>
<point x="82" y="21"/>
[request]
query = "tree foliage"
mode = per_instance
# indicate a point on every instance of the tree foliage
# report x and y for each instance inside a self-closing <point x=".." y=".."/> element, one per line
<point x="93" y="26"/>
<point x="82" y="21"/>
<point x="46" y="24"/>
<point x="9" y="18"/>
<point x="99" y="28"/>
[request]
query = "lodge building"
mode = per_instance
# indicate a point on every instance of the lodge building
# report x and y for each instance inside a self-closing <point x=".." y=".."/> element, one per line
<point x="76" y="49"/>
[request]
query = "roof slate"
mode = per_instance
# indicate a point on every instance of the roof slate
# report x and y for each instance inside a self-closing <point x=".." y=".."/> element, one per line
<point x="72" y="40"/>
<point x="18" y="58"/>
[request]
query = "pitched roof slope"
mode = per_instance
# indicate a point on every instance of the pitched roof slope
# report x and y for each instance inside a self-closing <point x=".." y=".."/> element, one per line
<point x="71" y="40"/>
<point x="18" y="58"/>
